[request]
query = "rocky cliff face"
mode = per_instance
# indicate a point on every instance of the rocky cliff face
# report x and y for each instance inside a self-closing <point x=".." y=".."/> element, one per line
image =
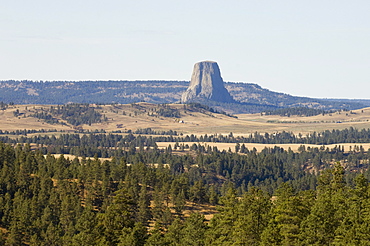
<point x="206" y="83"/>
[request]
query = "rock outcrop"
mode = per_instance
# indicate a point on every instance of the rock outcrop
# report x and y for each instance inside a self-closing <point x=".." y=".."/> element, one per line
<point x="206" y="83"/>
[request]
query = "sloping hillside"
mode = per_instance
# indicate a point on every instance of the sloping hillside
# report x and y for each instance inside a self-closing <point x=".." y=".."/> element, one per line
<point x="185" y="119"/>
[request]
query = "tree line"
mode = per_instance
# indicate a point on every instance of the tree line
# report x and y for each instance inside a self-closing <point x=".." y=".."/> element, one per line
<point x="335" y="136"/>
<point x="300" y="111"/>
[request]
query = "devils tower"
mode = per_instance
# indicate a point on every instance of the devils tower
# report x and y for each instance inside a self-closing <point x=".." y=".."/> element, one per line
<point x="206" y="83"/>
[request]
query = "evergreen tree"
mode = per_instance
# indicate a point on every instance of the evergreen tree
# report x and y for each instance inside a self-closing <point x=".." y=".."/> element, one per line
<point x="133" y="236"/>
<point x="329" y="209"/>
<point x="286" y="216"/>
<point x="222" y="224"/>
<point x="86" y="226"/>
<point x="173" y="235"/>
<point x="355" y="226"/>
<point x="156" y="237"/>
<point x="118" y="216"/>
<point x="144" y="213"/>
<point x="253" y="216"/>
<point x="193" y="230"/>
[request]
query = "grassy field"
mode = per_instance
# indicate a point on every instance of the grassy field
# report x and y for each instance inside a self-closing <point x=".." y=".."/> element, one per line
<point x="136" y="116"/>
<point x="259" y="147"/>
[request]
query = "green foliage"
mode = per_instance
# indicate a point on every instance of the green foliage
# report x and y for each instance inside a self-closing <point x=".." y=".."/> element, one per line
<point x="74" y="114"/>
<point x="150" y="131"/>
<point x="4" y="106"/>
<point x="166" y="111"/>
<point x="348" y="135"/>
<point x="286" y="216"/>
<point x="329" y="209"/>
<point x="253" y="216"/>
<point x="300" y="111"/>
<point x="57" y="201"/>
<point x="204" y="108"/>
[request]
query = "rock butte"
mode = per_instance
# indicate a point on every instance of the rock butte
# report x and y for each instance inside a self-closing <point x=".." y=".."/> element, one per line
<point x="206" y="83"/>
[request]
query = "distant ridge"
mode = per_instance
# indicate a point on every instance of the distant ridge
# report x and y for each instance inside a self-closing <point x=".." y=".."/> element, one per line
<point x="251" y="97"/>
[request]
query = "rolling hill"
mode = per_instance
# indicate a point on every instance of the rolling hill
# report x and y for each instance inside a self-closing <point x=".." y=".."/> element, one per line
<point x="185" y="119"/>
<point x="251" y="98"/>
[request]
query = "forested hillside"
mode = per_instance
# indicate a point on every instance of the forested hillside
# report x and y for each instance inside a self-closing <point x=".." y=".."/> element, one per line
<point x="251" y="97"/>
<point x="147" y="196"/>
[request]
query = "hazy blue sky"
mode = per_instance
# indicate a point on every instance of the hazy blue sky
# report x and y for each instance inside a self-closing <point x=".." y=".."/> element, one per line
<point x="309" y="48"/>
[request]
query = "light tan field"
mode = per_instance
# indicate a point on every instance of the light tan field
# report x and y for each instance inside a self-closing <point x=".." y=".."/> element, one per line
<point x="259" y="147"/>
<point x="71" y="157"/>
<point x="11" y="123"/>
<point x="135" y="116"/>
<point x="340" y="120"/>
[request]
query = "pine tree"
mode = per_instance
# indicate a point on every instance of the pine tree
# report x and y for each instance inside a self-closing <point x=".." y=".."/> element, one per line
<point x="15" y="235"/>
<point x="253" y="216"/>
<point x="118" y="215"/>
<point x="179" y="202"/>
<point x="52" y="236"/>
<point x="144" y="213"/>
<point x="286" y="216"/>
<point x="193" y="230"/>
<point x="222" y="224"/>
<point x="355" y="226"/>
<point x="86" y="227"/>
<point x="213" y="196"/>
<point x="173" y="235"/>
<point x="197" y="192"/>
<point x="328" y="210"/>
<point x="156" y="237"/>
<point x="133" y="236"/>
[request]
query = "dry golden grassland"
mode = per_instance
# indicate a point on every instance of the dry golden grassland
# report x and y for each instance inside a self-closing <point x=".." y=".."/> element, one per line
<point x="139" y="115"/>
<point x="72" y="157"/>
<point x="260" y="147"/>
<point x="340" y="120"/>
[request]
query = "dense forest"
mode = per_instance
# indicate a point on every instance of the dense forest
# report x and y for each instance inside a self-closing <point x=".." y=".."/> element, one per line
<point x="347" y="135"/>
<point x="119" y="145"/>
<point x="335" y="136"/>
<point x="266" y="198"/>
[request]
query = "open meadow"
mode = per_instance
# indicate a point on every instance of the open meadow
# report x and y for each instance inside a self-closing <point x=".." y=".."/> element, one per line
<point x="187" y="121"/>
<point x="259" y="147"/>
